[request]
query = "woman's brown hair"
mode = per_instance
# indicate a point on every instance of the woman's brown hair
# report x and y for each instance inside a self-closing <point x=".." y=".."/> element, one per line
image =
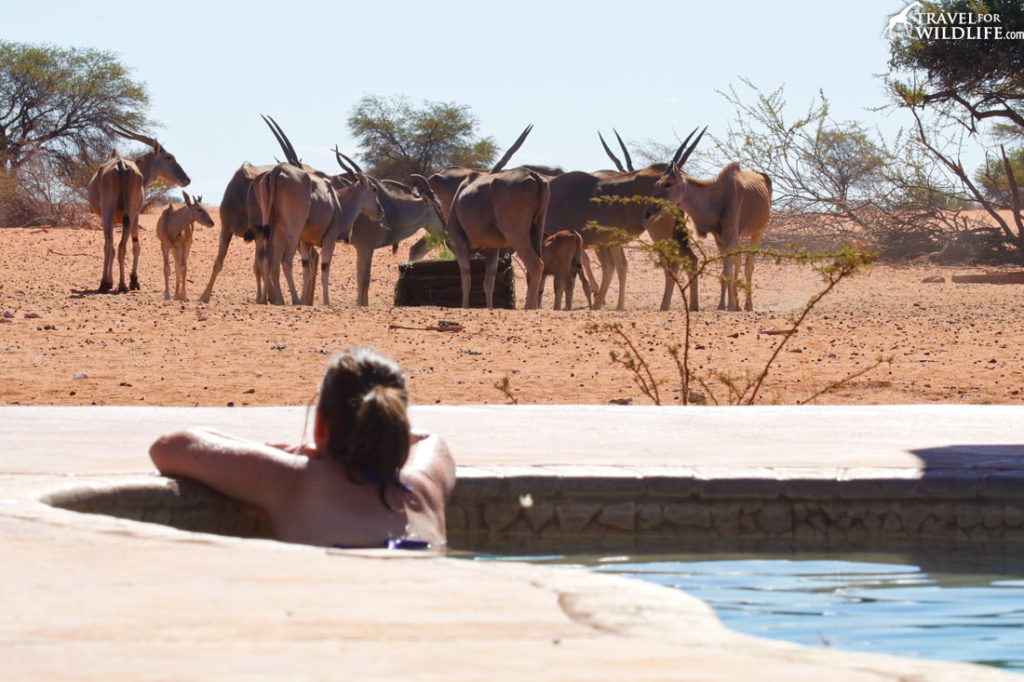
<point x="363" y="401"/>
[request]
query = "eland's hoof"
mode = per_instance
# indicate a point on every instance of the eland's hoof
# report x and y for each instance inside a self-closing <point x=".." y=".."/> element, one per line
<point x="105" y="286"/>
<point x="134" y="286"/>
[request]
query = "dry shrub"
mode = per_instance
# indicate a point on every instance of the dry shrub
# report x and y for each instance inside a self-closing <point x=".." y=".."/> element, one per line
<point x="35" y="197"/>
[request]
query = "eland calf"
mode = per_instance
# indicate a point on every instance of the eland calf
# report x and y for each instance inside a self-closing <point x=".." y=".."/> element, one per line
<point x="174" y="230"/>
<point x="564" y="254"/>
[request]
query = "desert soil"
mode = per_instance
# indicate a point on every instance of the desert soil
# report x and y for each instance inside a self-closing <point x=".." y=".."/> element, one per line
<point x="65" y="344"/>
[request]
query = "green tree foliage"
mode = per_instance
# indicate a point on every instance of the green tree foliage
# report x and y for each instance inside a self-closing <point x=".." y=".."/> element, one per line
<point x="61" y="102"/>
<point x="993" y="180"/>
<point x="399" y="139"/>
<point x="56" y="108"/>
<point x="975" y="85"/>
<point x="983" y="76"/>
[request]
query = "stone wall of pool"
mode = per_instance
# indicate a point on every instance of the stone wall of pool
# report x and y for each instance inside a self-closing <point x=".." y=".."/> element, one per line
<point x="572" y="509"/>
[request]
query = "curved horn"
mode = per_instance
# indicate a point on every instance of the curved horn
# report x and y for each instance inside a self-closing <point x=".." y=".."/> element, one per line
<point x="132" y="135"/>
<point x="282" y="139"/>
<point x="679" y="151"/>
<point x="423" y="185"/>
<point x="512" y="150"/>
<point x="625" y="152"/>
<point x="395" y="183"/>
<point x="618" y="164"/>
<point x="359" y="171"/>
<point x="344" y="167"/>
<point x="693" y="146"/>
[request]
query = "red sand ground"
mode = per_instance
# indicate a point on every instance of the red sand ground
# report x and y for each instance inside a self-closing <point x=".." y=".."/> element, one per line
<point x="63" y="344"/>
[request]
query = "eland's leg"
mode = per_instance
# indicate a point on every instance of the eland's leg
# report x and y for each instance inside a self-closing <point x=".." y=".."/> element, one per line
<point x="621" y="268"/>
<point x="592" y="281"/>
<point x="287" y="262"/>
<point x="218" y="264"/>
<point x="364" y="266"/>
<point x="490" y="275"/>
<point x="586" y="291"/>
<point x="748" y="267"/>
<point x="122" y="250"/>
<point x="185" y="250"/>
<point x="533" y="263"/>
<point x="259" y="265"/>
<point x="606" y="260"/>
<point x="179" y="273"/>
<point x="107" y="278"/>
<point x="560" y="292"/>
<point x="723" y="279"/>
<point x="134" y="281"/>
<point x="166" y="252"/>
<point x="327" y="256"/>
<point x="272" y="268"/>
<point x="309" y="260"/>
<point x="460" y="247"/>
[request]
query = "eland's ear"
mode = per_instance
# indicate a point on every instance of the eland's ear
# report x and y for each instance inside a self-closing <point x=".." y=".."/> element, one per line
<point x="188" y="199"/>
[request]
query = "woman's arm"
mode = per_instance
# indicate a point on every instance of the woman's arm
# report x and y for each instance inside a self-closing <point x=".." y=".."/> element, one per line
<point x="430" y="456"/>
<point x="246" y="470"/>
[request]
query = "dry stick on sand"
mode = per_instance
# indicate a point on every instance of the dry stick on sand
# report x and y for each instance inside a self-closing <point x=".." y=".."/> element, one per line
<point x="441" y="326"/>
<point x="69" y="255"/>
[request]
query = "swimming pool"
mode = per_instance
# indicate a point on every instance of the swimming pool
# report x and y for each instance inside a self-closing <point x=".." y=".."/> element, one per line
<point x="951" y="608"/>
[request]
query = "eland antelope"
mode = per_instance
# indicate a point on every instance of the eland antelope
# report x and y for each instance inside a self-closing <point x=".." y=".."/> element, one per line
<point x="734" y="205"/>
<point x="115" y="191"/>
<point x="174" y="230"/>
<point x="563" y="259"/>
<point x="303" y="207"/>
<point x="236" y="207"/>
<point x="572" y="207"/>
<point x="491" y="211"/>
<point x="404" y="213"/>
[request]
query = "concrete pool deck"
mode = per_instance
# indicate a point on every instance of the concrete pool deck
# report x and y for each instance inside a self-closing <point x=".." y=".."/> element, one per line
<point x="89" y="596"/>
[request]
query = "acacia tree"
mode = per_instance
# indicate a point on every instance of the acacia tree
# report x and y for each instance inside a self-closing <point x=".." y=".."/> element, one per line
<point x="61" y="102"/>
<point x="973" y="85"/>
<point x="57" y="106"/>
<point x="838" y="181"/>
<point x="399" y="139"/>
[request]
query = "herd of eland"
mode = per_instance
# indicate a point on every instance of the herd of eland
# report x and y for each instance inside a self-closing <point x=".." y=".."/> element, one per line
<point x="548" y="217"/>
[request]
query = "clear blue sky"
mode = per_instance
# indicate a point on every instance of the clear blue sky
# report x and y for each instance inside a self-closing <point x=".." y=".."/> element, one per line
<point x="651" y="69"/>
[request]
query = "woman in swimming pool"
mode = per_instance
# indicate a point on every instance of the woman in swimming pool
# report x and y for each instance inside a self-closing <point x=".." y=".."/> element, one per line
<point x="368" y="480"/>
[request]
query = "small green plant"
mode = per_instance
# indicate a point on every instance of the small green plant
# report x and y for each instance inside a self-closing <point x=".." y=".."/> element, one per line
<point x="833" y="267"/>
<point x="504" y="385"/>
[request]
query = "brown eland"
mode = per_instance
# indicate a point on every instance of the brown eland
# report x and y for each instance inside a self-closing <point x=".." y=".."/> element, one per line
<point x="115" y="192"/>
<point x="486" y="211"/>
<point x="236" y="207"/>
<point x="732" y="206"/>
<point x="404" y="214"/>
<point x="492" y="211"/>
<point x="575" y="205"/>
<point x="303" y="207"/>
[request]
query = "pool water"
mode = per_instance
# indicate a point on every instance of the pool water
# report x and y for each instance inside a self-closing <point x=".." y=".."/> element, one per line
<point x="967" y="608"/>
